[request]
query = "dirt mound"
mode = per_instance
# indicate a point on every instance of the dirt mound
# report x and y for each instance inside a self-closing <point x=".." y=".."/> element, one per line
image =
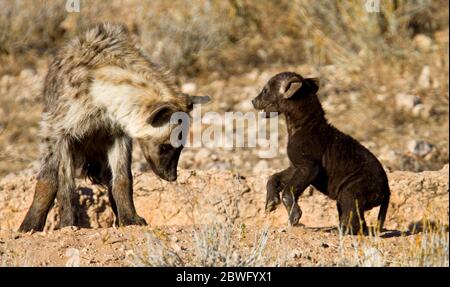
<point x="223" y="211"/>
<point x="200" y="197"/>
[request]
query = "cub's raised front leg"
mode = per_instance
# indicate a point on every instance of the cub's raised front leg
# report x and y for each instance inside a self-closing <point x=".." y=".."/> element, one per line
<point x="303" y="176"/>
<point x="275" y="185"/>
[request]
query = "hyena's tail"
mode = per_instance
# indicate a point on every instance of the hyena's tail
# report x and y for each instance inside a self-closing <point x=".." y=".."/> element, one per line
<point x="383" y="211"/>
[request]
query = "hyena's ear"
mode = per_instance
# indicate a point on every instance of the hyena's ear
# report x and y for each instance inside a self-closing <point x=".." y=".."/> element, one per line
<point x="290" y="86"/>
<point x="312" y="84"/>
<point x="197" y="100"/>
<point x="160" y="115"/>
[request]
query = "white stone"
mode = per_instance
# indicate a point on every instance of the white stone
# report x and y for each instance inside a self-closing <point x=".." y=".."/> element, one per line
<point x="424" y="80"/>
<point x="419" y="148"/>
<point x="423" y="43"/>
<point x="189" y="88"/>
<point x="407" y="102"/>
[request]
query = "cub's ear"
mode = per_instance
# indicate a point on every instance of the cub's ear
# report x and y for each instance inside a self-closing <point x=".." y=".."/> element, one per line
<point x="312" y="84"/>
<point x="160" y="115"/>
<point x="290" y="86"/>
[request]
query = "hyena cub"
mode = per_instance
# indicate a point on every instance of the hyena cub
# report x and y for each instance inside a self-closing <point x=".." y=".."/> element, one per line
<point x="101" y="92"/>
<point x="321" y="155"/>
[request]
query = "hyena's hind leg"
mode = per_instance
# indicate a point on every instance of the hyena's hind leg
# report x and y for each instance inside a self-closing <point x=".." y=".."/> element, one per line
<point x="66" y="195"/>
<point x="119" y="158"/>
<point x="44" y="195"/>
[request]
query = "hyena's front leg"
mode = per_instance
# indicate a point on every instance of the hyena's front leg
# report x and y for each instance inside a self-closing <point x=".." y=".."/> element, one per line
<point x="66" y="185"/>
<point x="275" y="185"/>
<point x="44" y="195"/>
<point x="119" y="157"/>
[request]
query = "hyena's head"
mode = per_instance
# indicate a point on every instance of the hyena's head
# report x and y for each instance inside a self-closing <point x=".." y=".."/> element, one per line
<point x="142" y="103"/>
<point x="158" y="145"/>
<point x="280" y="91"/>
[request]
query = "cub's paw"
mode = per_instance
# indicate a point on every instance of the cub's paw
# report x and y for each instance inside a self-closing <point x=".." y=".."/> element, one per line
<point x="294" y="215"/>
<point x="272" y="203"/>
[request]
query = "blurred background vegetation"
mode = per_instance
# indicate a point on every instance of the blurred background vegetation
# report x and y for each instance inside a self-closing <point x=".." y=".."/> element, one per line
<point x="370" y="62"/>
<point x="196" y="37"/>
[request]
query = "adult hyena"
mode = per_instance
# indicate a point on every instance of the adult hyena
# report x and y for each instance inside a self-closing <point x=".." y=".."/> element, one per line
<point x="101" y="92"/>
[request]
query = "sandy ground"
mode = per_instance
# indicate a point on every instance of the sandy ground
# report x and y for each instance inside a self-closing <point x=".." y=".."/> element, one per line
<point x="204" y="209"/>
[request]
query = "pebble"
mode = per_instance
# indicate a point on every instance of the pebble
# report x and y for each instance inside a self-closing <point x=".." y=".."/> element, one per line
<point x="407" y="102"/>
<point x="424" y="80"/>
<point x="296" y="254"/>
<point x="423" y="43"/>
<point x="189" y="88"/>
<point x="419" y="147"/>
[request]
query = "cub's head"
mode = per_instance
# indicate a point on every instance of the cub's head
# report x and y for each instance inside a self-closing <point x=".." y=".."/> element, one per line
<point x="281" y="90"/>
<point x="157" y="145"/>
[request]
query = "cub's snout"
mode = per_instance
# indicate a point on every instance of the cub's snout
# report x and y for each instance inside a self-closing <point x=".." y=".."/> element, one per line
<point x="270" y="109"/>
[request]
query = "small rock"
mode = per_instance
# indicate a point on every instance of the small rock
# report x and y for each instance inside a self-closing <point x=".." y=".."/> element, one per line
<point x="406" y="101"/>
<point x="419" y="148"/>
<point x="418" y="110"/>
<point x="26" y="73"/>
<point x="296" y="254"/>
<point x="74" y="257"/>
<point x="261" y="166"/>
<point x="189" y="88"/>
<point x="6" y="80"/>
<point x="236" y="257"/>
<point x="388" y="155"/>
<point x="424" y="80"/>
<point x="381" y="97"/>
<point x="253" y="75"/>
<point x="175" y="247"/>
<point x="423" y="43"/>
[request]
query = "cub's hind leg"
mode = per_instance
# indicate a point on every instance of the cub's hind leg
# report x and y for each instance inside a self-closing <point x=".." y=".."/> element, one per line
<point x="351" y="213"/>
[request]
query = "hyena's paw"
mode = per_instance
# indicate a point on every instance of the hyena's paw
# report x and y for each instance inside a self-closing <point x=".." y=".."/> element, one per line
<point x="27" y="226"/>
<point x="132" y="220"/>
<point x="67" y="221"/>
<point x="272" y="203"/>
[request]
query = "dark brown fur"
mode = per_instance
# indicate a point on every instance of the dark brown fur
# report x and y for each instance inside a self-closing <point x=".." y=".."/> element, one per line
<point x="322" y="156"/>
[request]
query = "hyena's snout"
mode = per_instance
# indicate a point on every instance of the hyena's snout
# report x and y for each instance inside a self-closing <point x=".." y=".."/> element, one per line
<point x="163" y="160"/>
<point x="168" y="163"/>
